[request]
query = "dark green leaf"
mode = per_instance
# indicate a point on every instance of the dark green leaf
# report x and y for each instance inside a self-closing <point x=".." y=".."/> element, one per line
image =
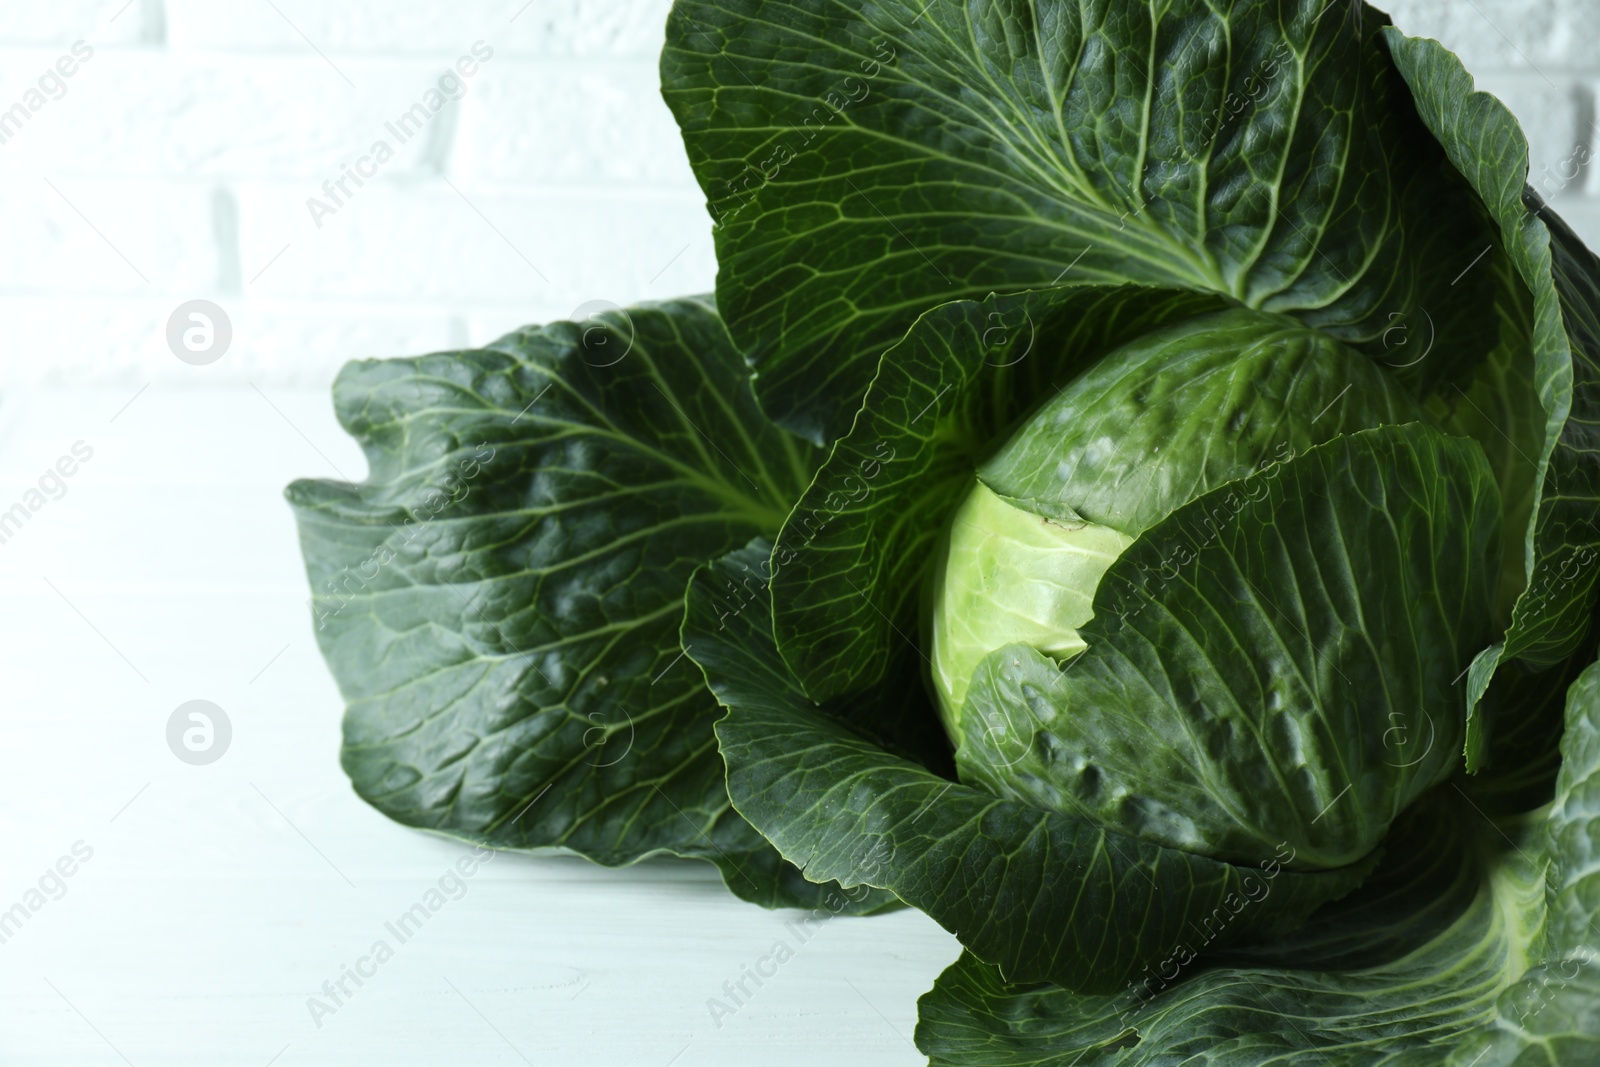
<point x="1551" y="1016"/>
<point x="1523" y="710"/>
<point x="1040" y="894"/>
<point x="865" y="162"/>
<point x="1393" y="975"/>
<point x="1486" y="145"/>
<point x="500" y="600"/>
<point x="1499" y="408"/>
<point x="1475" y="944"/>
<point x="1274" y="666"/>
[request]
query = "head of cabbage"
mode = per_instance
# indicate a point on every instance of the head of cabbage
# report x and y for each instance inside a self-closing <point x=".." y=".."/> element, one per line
<point x="1138" y="492"/>
<point x="1224" y="399"/>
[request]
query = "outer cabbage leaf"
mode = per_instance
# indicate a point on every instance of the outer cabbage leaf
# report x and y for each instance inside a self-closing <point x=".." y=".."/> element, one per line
<point x="1551" y="1016"/>
<point x="1475" y="944"/>
<point x="500" y="600"/>
<point x="1041" y="895"/>
<point x="1563" y="550"/>
<point x="866" y="161"/>
<point x="1524" y="709"/>
<point x="1275" y="663"/>
<point x="1499" y="409"/>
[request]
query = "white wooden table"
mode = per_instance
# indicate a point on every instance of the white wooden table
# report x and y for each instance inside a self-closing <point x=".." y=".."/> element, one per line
<point x="218" y="899"/>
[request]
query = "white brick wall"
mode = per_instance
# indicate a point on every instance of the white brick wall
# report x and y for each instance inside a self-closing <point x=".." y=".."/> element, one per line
<point x="178" y="162"/>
